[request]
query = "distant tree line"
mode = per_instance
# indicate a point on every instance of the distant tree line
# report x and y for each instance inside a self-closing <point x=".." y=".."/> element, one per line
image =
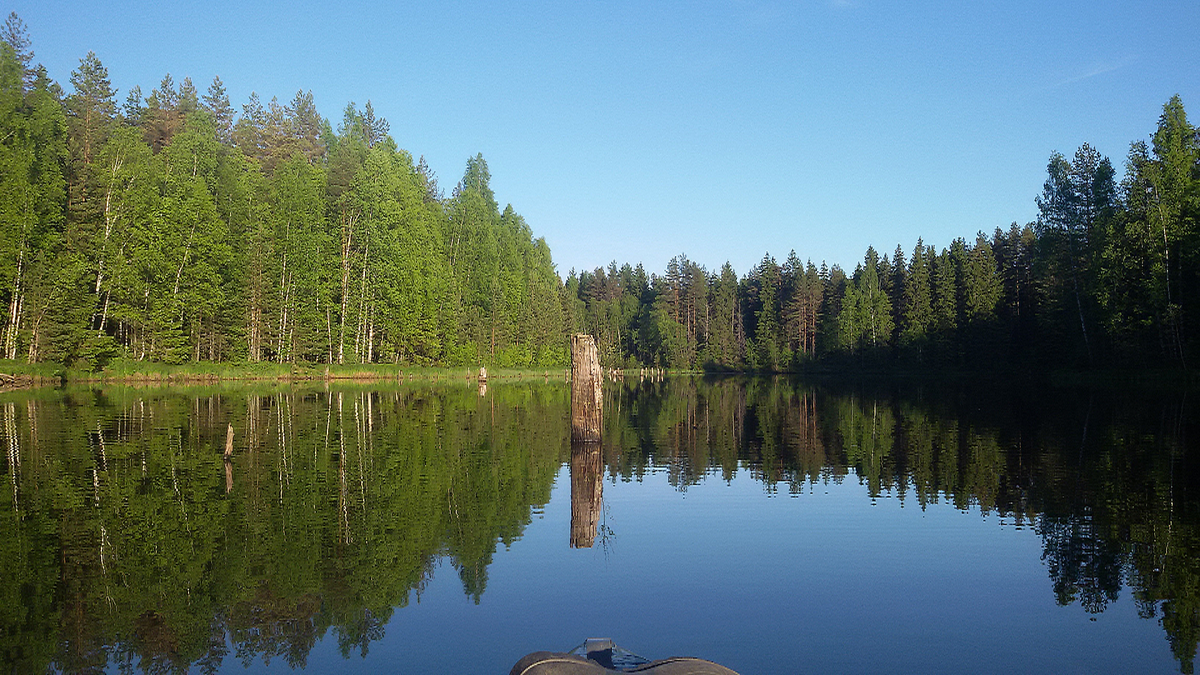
<point x="172" y="228"/>
<point x="1108" y="276"/>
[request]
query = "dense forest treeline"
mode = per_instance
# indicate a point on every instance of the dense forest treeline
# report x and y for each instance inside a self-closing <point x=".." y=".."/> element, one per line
<point x="172" y="228"/>
<point x="1108" y="276"/>
<point x="168" y="229"/>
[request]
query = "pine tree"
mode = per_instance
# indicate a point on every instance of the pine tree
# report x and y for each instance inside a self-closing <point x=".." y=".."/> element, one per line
<point x="216" y="102"/>
<point x="16" y="36"/>
<point x="944" y="318"/>
<point x="91" y="107"/>
<point x="917" y="313"/>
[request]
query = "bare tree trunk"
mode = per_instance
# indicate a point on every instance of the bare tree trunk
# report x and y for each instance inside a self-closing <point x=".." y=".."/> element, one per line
<point x="347" y="241"/>
<point x="371" y="334"/>
<point x="142" y="332"/>
<point x="104" y="312"/>
<point x="110" y="221"/>
<point x="284" y="301"/>
<point x="254" y="330"/>
<point x="15" y="307"/>
<point x="361" y="325"/>
<point x="187" y="249"/>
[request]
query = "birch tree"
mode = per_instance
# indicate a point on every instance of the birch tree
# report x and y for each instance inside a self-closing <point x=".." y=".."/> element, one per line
<point x="33" y="155"/>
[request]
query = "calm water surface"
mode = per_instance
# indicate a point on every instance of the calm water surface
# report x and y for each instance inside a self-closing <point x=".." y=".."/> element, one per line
<point x="767" y="524"/>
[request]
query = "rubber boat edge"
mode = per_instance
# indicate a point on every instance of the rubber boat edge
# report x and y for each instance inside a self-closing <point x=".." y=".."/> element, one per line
<point x="599" y="656"/>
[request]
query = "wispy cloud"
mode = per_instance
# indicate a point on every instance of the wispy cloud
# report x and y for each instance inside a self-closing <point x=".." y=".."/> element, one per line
<point x="1095" y="71"/>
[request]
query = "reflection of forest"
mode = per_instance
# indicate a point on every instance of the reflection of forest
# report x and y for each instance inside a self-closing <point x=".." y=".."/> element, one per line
<point x="123" y="545"/>
<point x="1106" y="478"/>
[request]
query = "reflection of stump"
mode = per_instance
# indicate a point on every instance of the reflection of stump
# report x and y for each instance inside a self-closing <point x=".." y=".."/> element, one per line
<point x="586" y="392"/>
<point x="587" y="493"/>
<point x="229" y="459"/>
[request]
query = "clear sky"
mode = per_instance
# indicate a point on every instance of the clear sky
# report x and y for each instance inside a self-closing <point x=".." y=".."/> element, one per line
<point x="635" y="131"/>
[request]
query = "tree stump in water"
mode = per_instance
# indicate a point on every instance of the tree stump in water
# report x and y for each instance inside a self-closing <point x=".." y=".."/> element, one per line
<point x="587" y="404"/>
<point x="586" y="389"/>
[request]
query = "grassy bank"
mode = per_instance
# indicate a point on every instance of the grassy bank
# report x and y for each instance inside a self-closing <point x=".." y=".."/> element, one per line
<point x="15" y="374"/>
<point x="135" y="372"/>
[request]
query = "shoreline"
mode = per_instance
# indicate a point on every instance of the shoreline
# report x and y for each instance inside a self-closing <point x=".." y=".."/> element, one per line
<point x="16" y="376"/>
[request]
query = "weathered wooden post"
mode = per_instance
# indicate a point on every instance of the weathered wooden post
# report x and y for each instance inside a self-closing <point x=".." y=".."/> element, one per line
<point x="587" y="405"/>
<point x="586" y="389"/>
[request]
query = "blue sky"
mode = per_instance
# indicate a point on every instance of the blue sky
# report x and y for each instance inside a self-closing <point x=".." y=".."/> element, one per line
<point x="635" y="131"/>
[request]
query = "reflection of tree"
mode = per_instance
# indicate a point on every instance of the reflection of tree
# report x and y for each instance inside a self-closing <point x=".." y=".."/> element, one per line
<point x="865" y="429"/>
<point x="357" y="635"/>
<point x="128" y="549"/>
<point x="695" y="427"/>
<point x="1085" y="567"/>
<point x="268" y="626"/>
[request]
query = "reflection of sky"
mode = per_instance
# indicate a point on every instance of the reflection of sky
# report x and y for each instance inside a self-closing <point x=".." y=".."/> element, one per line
<point x="825" y="581"/>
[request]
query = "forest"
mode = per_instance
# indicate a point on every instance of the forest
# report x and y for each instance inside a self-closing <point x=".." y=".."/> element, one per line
<point x="171" y="228"/>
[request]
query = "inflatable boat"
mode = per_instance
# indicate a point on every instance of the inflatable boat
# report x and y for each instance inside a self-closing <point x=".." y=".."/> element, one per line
<point x="598" y="656"/>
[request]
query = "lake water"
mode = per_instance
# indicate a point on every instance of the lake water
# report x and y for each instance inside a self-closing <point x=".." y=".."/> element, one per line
<point x="771" y="525"/>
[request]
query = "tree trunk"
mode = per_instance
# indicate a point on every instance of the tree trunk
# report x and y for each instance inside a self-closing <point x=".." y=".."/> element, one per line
<point x="284" y="301"/>
<point x="361" y="325"/>
<point x="254" y="331"/>
<point x="347" y="241"/>
<point x="15" y="308"/>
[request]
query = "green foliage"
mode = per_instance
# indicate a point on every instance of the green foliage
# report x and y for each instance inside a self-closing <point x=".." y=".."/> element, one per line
<point x="865" y="321"/>
<point x="33" y="158"/>
<point x="193" y="236"/>
<point x="916" y="318"/>
<point x="172" y="232"/>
